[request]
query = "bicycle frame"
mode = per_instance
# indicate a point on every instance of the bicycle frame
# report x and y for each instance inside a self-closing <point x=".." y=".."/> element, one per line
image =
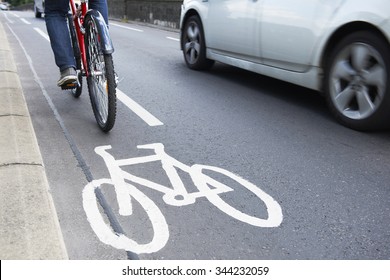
<point x="79" y="15"/>
<point x="78" y="19"/>
<point x="175" y="196"/>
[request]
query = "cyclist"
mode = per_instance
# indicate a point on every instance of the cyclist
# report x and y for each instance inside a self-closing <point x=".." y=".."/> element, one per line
<point x="56" y="12"/>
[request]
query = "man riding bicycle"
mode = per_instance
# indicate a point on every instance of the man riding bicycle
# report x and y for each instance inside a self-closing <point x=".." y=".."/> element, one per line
<point x="56" y="12"/>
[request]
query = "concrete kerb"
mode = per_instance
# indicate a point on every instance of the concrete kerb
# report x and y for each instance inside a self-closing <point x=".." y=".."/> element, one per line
<point x="29" y="227"/>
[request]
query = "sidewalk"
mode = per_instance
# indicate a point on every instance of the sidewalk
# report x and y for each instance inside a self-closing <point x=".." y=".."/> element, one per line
<point x="29" y="227"/>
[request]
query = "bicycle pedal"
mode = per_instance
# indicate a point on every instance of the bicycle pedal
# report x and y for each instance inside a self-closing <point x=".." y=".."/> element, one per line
<point x="117" y="80"/>
<point x="69" y="86"/>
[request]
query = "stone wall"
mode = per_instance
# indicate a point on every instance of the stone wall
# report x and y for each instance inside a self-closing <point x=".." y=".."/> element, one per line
<point x="164" y="13"/>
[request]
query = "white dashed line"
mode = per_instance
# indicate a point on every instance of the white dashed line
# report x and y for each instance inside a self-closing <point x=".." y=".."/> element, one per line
<point x="138" y="109"/>
<point x="43" y="34"/>
<point x="25" y="21"/>
<point x="174" y="39"/>
<point x="125" y="27"/>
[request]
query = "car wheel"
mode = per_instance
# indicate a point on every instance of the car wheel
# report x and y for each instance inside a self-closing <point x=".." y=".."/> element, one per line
<point x="193" y="45"/>
<point x="357" y="81"/>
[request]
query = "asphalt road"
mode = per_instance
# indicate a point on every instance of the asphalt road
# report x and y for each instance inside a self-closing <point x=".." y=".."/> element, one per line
<point x="318" y="190"/>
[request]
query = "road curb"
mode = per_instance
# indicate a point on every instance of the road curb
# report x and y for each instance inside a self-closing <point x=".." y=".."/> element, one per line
<point x="29" y="226"/>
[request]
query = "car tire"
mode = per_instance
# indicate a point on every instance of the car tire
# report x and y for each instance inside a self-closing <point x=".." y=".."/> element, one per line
<point x="356" y="81"/>
<point x="194" y="46"/>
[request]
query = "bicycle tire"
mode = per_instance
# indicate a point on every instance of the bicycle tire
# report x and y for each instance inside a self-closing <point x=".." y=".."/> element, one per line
<point x="203" y="183"/>
<point x="119" y="240"/>
<point x="100" y="78"/>
<point x="76" y="92"/>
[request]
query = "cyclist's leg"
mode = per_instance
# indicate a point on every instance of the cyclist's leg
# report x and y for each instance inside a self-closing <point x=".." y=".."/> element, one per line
<point x="56" y="23"/>
<point x="101" y="6"/>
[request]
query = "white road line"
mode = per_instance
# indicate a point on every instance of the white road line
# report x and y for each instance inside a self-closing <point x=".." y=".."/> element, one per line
<point x="174" y="39"/>
<point x="15" y="15"/>
<point x="125" y="27"/>
<point x="43" y="34"/>
<point x="6" y="16"/>
<point x="138" y="109"/>
<point x="25" y="21"/>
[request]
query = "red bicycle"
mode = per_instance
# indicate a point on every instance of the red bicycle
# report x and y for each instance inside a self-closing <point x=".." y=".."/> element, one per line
<point x="92" y="47"/>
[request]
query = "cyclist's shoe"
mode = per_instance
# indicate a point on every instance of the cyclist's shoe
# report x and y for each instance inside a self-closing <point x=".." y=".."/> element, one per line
<point x="68" y="78"/>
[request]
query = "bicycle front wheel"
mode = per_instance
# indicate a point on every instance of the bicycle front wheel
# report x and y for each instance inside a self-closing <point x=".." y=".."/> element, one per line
<point x="101" y="78"/>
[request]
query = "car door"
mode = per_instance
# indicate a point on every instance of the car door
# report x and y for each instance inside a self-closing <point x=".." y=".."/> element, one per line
<point x="290" y="30"/>
<point x="232" y="27"/>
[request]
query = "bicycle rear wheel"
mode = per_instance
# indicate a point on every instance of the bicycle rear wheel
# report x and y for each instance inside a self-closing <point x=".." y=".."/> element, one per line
<point x="76" y="92"/>
<point x="100" y="78"/>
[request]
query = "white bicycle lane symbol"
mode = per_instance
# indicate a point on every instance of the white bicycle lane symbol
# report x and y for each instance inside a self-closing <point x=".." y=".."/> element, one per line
<point x="176" y="195"/>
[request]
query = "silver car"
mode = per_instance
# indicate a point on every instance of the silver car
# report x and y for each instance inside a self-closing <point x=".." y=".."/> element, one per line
<point x="4" y="6"/>
<point x="338" y="47"/>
